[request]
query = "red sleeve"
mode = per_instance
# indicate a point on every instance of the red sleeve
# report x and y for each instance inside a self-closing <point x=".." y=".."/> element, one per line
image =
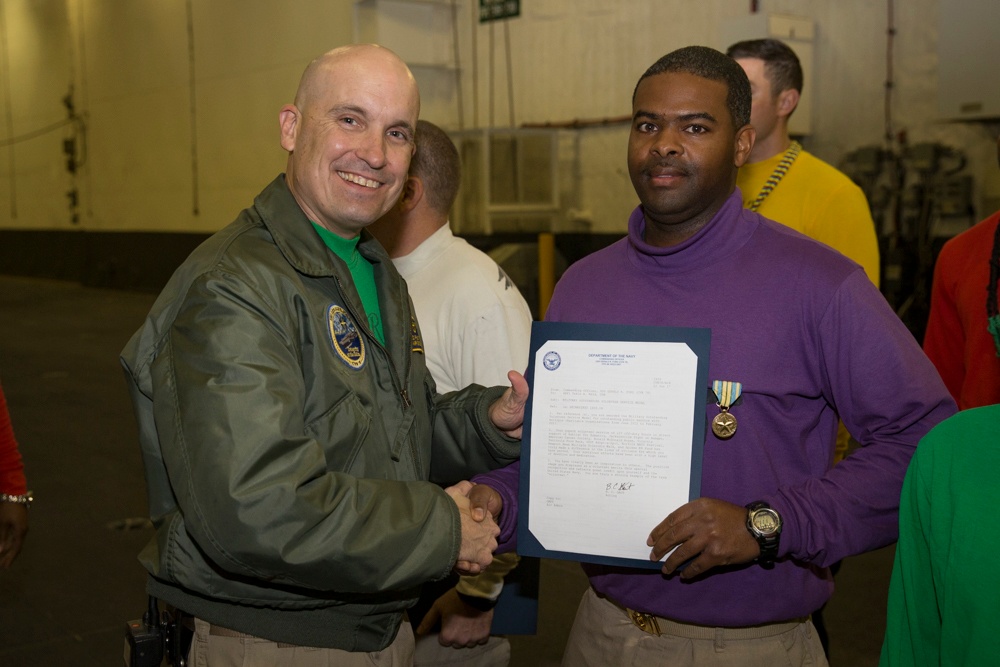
<point x="944" y="340"/>
<point x="12" y="479"/>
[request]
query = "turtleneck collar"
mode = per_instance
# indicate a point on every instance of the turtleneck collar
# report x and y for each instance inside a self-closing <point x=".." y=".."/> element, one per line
<point x="728" y="231"/>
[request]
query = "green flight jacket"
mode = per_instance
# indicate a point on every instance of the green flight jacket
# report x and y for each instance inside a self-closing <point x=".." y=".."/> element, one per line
<point x="292" y="461"/>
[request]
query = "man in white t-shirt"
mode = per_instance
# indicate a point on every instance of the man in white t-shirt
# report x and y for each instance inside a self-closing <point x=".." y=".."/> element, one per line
<point x="475" y="327"/>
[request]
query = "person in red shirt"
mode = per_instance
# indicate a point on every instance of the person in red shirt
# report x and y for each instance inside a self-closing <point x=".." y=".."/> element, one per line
<point x="963" y="329"/>
<point x="14" y="494"/>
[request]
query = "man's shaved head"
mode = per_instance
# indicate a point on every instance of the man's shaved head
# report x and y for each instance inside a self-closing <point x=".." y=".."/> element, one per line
<point x="352" y="55"/>
<point x="350" y="136"/>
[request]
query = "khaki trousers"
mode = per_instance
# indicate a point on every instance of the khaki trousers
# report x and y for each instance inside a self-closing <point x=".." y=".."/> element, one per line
<point x="603" y="635"/>
<point x="429" y="653"/>
<point x="209" y="648"/>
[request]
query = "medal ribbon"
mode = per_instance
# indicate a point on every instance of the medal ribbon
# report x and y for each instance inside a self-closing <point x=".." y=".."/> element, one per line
<point x="727" y="391"/>
<point x="779" y="172"/>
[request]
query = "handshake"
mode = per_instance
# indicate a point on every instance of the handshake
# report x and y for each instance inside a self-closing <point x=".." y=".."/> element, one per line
<point x="478" y="505"/>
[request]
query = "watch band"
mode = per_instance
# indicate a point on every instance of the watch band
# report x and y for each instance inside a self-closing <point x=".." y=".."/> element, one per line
<point x="767" y="540"/>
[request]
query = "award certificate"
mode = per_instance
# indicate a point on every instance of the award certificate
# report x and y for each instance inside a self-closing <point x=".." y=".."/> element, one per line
<point x="612" y="439"/>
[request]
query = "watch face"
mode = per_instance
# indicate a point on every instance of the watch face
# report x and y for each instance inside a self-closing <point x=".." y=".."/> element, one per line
<point x="766" y="522"/>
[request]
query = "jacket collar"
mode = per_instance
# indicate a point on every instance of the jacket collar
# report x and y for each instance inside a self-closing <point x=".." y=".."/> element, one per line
<point x="305" y="251"/>
<point x="297" y="240"/>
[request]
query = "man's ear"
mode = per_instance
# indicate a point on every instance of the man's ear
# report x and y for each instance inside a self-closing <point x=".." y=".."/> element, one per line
<point x="413" y="192"/>
<point x="745" y="138"/>
<point x="787" y="101"/>
<point x="288" y="119"/>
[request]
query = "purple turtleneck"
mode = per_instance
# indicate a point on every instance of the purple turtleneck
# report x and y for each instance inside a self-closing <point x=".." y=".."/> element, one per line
<point x="811" y="339"/>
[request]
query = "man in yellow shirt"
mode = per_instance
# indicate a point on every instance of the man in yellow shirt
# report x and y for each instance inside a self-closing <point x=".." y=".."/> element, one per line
<point x="784" y="182"/>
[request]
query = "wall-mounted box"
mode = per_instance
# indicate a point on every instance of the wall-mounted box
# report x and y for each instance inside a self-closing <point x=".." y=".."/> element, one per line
<point x="510" y="181"/>
<point x="421" y="32"/>
<point x="797" y="32"/>
<point x="967" y="52"/>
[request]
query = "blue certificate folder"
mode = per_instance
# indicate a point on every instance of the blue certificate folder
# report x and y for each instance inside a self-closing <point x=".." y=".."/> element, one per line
<point x="698" y="340"/>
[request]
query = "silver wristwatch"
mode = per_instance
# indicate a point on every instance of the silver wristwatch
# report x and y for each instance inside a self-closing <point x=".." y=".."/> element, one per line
<point x="764" y="524"/>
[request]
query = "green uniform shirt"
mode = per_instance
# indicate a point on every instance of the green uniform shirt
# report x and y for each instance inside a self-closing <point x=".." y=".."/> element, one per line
<point x="361" y="272"/>
<point x="944" y="595"/>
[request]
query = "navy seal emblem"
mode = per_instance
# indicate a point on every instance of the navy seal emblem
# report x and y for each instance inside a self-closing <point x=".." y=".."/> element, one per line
<point x="347" y="340"/>
<point x="551" y="361"/>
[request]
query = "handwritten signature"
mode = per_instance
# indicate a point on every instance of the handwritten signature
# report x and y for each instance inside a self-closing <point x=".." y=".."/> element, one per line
<point x="619" y="486"/>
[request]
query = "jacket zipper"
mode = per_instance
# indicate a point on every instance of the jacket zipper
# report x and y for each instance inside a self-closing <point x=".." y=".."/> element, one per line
<point x="397" y="381"/>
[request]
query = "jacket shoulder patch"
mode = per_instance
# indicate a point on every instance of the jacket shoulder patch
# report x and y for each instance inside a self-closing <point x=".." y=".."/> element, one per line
<point x="416" y="342"/>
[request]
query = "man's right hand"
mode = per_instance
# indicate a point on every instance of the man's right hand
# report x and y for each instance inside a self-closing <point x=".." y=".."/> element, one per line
<point x="462" y="626"/>
<point x="485" y="502"/>
<point x="479" y="536"/>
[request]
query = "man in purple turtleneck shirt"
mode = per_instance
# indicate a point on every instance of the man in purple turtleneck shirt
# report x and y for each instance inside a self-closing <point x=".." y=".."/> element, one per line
<point x="808" y="337"/>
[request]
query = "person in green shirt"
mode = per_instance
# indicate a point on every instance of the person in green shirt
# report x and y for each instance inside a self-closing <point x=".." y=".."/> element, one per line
<point x="944" y="595"/>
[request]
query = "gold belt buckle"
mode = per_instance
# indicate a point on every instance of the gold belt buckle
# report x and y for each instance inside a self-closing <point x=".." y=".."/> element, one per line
<point x="645" y="622"/>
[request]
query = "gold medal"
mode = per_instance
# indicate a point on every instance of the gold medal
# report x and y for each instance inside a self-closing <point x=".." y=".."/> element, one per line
<point x="724" y="425"/>
<point x="727" y="393"/>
